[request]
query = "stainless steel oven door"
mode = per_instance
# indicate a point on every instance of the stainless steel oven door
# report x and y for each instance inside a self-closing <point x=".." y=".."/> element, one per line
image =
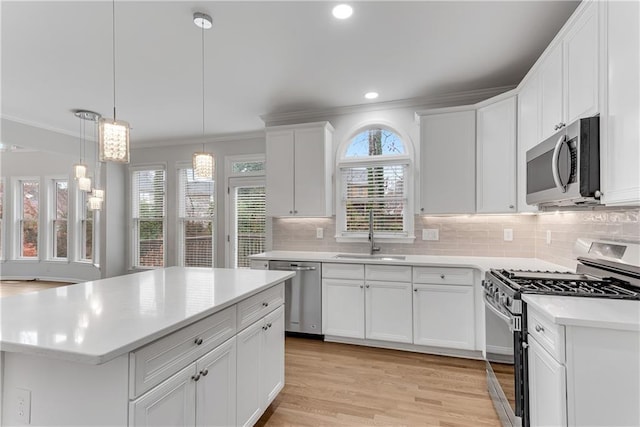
<point x="504" y="363"/>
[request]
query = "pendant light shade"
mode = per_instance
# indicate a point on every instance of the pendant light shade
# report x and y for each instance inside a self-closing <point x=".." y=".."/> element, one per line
<point x="79" y="170"/>
<point x="94" y="203"/>
<point x="203" y="166"/>
<point x="114" y="140"/>
<point x="84" y="183"/>
<point x="98" y="193"/>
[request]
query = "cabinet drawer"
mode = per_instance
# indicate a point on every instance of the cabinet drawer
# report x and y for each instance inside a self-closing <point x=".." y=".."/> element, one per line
<point x="547" y="334"/>
<point x="155" y="362"/>
<point x="259" y="264"/>
<point x="443" y="275"/>
<point x="253" y="308"/>
<point x="391" y="273"/>
<point x="343" y="271"/>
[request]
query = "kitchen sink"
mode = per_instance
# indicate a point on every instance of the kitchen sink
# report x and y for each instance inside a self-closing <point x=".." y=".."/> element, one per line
<point x="376" y="257"/>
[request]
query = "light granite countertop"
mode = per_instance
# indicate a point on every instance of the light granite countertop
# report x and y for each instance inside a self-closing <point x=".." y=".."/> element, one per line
<point x="94" y="322"/>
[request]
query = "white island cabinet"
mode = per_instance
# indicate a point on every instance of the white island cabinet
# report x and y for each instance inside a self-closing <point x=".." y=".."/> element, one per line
<point x="162" y="347"/>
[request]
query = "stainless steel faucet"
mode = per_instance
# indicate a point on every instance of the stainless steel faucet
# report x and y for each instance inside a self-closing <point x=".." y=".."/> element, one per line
<point x="373" y="247"/>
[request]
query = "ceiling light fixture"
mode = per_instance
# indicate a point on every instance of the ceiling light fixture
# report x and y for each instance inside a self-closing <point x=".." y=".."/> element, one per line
<point x="202" y="161"/>
<point x="342" y="11"/>
<point x="113" y="133"/>
<point x="80" y="169"/>
<point x="371" y="95"/>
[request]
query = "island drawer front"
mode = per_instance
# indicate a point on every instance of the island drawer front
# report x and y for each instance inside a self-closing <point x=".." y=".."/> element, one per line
<point x="389" y="273"/>
<point x="443" y="275"/>
<point x="548" y="334"/>
<point x="253" y="308"/>
<point x="157" y="361"/>
<point x="342" y="271"/>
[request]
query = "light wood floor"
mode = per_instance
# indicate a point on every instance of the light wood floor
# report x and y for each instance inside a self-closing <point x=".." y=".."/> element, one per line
<point x="16" y="287"/>
<point x="331" y="384"/>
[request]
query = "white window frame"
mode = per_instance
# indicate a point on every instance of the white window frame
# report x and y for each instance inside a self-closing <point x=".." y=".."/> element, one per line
<point x="51" y="217"/>
<point x="3" y="219"/>
<point x="182" y="219"/>
<point x="81" y="220"/>
<point x="18" y="218"/>
<point x="229" y="174"/>
<point x="406" y="159"/>
<point x="133" y="240"/>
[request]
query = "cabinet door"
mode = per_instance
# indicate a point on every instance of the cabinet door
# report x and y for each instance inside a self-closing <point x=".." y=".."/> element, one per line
<point x="443" y="316"/>
<point x="310" y="171"/>
<point x="249" y="395"/>
<point x="388" y="311"/>
<point x="580" y="48"/>
<point x="272" y="369"/>
<point x="448" y="161"/>
<point x="172" y="403"/>
<point x="216" y="388"/>
<point x="280" y="178"/>
<point x="343" y="308"/>
<point x="496" y="180"/>
<point x="547" y="388"/>
<point x="620" y="149"/>
<point x="551" y="92"/>
<point x="528" y="136"/>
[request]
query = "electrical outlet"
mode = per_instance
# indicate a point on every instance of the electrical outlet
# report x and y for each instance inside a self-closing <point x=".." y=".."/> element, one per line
<point x="23" y="406"/>
<point x="319" y="233"/>
<point x="430" y="234"/>
<point x="508" y="234"/>
<point x="548" y="237"/>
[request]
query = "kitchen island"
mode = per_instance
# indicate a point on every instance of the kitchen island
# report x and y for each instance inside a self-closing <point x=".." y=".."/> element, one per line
<point x="156" y="347"/>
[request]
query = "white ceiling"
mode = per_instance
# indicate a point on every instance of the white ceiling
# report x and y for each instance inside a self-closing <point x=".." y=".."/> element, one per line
<point x="261" y="58"/>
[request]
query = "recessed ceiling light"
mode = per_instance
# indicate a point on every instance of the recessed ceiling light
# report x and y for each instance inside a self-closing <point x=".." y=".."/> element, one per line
<point x="342" y="11"/>
<point x="371" y="95"/>
<point x="202" y="20"/>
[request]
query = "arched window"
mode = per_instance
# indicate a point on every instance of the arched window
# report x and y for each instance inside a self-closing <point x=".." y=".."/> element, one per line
<point x="375" y="175"/>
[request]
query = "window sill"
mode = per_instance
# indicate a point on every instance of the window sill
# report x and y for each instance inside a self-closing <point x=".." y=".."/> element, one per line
<point x="381" y="239"/>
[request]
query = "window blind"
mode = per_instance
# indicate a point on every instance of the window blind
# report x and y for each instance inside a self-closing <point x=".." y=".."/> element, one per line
<point x="60" y="216"/>
<point x="1" y="218"/>
<point x="250" y="223"/>
<point x="29" y="214"/>
<point x="86" y="225"/>
<point x="379" y="188"/>
<point x="196" y="219"/>
<point x="148" y="211"/>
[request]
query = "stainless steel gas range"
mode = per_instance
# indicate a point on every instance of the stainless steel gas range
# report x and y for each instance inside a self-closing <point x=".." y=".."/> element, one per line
<point x="604" y="270"/>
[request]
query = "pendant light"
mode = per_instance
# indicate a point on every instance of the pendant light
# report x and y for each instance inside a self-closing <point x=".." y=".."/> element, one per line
<point x="94" y="202"/>
<point x="80" y="169"/>
<point x="113" y="133"/>
<point x="203" y="161"/>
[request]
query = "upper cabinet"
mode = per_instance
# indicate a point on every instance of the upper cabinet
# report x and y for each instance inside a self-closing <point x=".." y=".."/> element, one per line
<point x="620" y="122"/>
<point x="299" y="169"/>
<point x="568" y="75"/>
<point x="496" y="157"/>
<point x="528" y="136"/>
<point x="447" y="164"/>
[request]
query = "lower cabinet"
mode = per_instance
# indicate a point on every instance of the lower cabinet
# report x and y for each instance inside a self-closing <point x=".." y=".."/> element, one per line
<point x="388" y="311"/>
<point x="343" y="308"/>
<point x="203" y="393"/>
<point x="547" y="388"/>
<point x="260" y="368"/>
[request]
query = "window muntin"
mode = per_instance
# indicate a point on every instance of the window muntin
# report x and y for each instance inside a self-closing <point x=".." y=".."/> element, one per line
<point x="375" y="175"/>
<point x="196" y="215"/>
<point x="29" y="191"/>
<point x="59" y="217"/>
<point x="148" y="199"/>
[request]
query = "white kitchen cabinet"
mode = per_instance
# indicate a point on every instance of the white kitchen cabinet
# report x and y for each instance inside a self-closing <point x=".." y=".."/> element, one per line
<point x="569" y="75"/>
<point x="299" y="169"/>
<point x="528" y="136"/>
<point x="260" y="366"/>
<point x="496" y="157"/>
<point x="388" y="311"/>
<point x="216" y="386"/>
<point x="547" y="388"/>
<point x="443" y="307"/>
<point x="620" y="124"/>
<point x="447" y="161"/>
<point x="343" y="307"/>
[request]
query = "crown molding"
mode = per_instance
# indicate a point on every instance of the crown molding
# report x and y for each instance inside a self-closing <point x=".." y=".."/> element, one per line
<point x="41" y="126"/>
<point x="444" y="100"/>
<point x="221" y="138"/>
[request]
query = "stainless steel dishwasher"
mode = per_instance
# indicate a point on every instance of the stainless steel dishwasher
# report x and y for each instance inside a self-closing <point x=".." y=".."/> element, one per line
<point x="302" y="298"/>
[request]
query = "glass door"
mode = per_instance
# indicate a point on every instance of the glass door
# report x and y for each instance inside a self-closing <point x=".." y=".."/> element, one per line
<point x="247" y="231"/>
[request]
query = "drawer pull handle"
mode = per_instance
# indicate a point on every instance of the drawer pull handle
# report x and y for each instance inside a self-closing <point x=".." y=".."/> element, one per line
<point x="539" y="328"/>
<point x="269" y="325"/>
<point x="198" y="341"/>
<point x="442" y="276"/>
<point x="265" y="304"/>
<point x="204" y="372"/>
<point x="195" y="377"/>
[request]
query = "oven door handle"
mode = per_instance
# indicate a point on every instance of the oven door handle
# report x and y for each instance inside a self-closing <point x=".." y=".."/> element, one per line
<point x="497" y="312"/>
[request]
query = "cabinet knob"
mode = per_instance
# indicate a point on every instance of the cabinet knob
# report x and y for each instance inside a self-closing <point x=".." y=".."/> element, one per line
<point x="367" y="286"/>
<point x="290" y="212"/>
<point x="264" y="328"/>
<point x="361" y="286"/>
<point x="442" y="276"/>
<point x="556" y="127"/>
<point x="195" y="377"/>
<point x="265" y="304"/>
<point x="561" y="125"/>
<point x="539" y="328"/>
<point x="269" y="325"/>
<point x="415" y="289"/>
<point x="511" y="206"/>
<point x="204" y="372"/>
<point x="198" y="341"/>
<point x="421" y="209"/>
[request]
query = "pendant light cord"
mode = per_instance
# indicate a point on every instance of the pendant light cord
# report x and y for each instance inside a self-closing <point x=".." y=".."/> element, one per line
<point x="202" y="32"/>
<point x="113" y="51"/>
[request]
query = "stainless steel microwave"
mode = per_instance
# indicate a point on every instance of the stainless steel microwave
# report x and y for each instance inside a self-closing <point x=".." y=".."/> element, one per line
<point x="564" y="169"/>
